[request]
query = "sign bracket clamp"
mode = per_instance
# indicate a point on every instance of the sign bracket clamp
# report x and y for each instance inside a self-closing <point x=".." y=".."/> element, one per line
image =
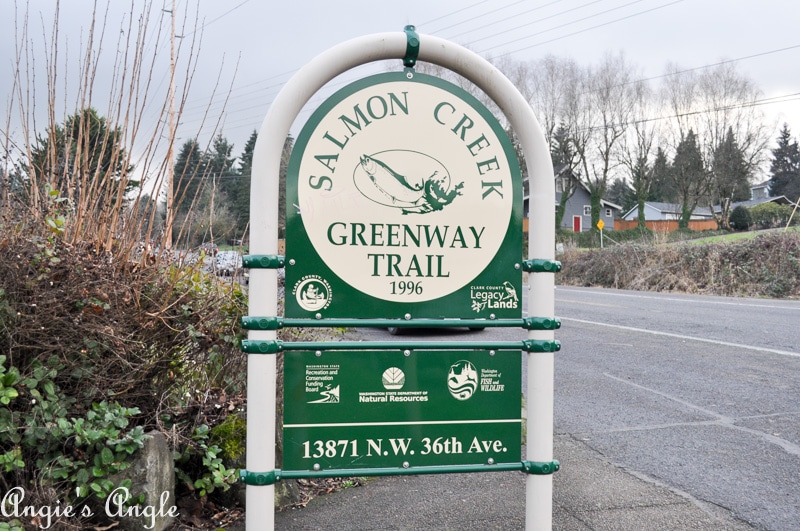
<point x="273" y="346"/>
<point x="278" y="323"/>
<point x="269" y="478"/>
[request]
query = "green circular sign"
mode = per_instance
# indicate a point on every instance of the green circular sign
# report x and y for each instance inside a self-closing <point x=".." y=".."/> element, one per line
<point x="403" y="189"/>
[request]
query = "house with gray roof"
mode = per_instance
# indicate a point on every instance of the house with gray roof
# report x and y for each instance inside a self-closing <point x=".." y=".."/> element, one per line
<point x="578" y="210"/>
<point x="655" y="211"/>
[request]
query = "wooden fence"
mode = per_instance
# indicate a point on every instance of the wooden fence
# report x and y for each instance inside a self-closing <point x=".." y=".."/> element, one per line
<point x="666" y="225"/>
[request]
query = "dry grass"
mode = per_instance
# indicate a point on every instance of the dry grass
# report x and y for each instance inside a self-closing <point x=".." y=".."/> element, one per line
<point x="765" y="266"/>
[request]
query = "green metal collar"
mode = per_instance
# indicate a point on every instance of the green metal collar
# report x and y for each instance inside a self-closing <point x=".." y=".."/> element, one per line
<point x="412" y="47"/>
<point x="273" y="476"/>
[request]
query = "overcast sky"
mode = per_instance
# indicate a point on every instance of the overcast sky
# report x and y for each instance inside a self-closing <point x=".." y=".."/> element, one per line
<point x="270" y="40"/>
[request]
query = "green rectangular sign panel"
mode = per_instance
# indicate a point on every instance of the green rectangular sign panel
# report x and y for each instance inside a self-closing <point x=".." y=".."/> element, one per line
<point x="380" y="409"/>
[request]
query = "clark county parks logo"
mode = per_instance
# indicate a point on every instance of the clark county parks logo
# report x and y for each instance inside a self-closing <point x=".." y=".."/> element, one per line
<point x="403" y="187"/>
<point x="313" y="293"/>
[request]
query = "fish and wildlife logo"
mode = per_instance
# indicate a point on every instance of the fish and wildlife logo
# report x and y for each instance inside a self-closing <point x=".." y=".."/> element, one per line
<point x="462" y="380"/>
<point x="414" y="183"/>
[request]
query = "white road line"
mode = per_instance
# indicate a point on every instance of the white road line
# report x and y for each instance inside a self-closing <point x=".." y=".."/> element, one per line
<point x="722" y="420"/>
<point x="611" y="293"/>
<point x="688" y="338"/>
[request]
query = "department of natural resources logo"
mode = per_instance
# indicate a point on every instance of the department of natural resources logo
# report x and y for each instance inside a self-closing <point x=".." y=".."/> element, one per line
<point x="462" y="380"/>
<point x="313" y="293"/>
<point x="393" y="378"/>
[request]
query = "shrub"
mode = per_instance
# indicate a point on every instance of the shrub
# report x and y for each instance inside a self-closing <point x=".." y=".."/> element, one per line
<point x="740" y="218"/>
<point x="770" y="215"/>
<point x="98" y="351"/>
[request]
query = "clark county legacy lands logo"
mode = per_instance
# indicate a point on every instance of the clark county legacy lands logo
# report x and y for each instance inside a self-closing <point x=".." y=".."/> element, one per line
<point x="404" y="187"/>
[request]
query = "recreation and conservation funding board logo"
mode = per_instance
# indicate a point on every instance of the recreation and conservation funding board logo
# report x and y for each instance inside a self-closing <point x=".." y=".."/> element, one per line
<point x="406" y="189"/>
<point x="321" y="381"/>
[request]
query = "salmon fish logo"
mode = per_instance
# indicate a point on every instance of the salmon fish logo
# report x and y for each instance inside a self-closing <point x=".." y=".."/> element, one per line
<point x="411" y="181"/>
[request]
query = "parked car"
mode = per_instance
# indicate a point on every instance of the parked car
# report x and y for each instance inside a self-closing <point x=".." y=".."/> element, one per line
<point x="227" y="263"/>
<point x="393" y="330"/>
<point x="209" y="248"/>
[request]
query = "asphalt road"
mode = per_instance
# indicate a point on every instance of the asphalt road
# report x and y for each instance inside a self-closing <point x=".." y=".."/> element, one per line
<point x="678" y="412"/>
<point x="701" y="394"/>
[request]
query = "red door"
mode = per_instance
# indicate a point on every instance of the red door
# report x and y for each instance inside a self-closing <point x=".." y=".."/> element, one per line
<point x="576" y="223"/>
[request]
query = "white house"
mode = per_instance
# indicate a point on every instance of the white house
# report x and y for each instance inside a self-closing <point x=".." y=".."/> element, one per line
<point x="655" y="211"/>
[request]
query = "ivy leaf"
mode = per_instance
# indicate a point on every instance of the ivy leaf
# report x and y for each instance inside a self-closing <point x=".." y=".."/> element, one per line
<point x="82" y="477"/>
<point x="106" y="456"/>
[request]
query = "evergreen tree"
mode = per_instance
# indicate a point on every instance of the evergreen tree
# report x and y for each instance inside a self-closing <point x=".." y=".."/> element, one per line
<point x="288" y="145"/>
<point x="689" y="177"/>
<point x="562" y="149"/>
<point x="241" y="205"/>
<point x="82" y="158"/>
<point x="661" y="189"/>
<point x="642" y="179"/>
<point x="188" y="175"/>
<point x="222" y="172"/>
<point x="785" y="167"/>
<point x="729" y="176"/>
<point x="620" y="193"/>
<point x="241" y="196"/>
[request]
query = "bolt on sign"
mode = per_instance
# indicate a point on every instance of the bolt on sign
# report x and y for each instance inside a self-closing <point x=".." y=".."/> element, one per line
<point x="404" y="197"/>
<point x="377" y="409"/>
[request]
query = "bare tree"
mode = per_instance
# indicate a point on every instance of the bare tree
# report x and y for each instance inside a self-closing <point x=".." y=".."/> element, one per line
<point x="638" y="145"/>
<point x="714" y="104"/>
<point x="128" y="125"/>
<point x="679" y="97"/>
<point x="601" y="115"/>
<point x="547" y="84"/>
<point x="727" y="101"/>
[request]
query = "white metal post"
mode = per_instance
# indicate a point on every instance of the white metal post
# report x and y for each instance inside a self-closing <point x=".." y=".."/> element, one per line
<point x="263" y="240"/>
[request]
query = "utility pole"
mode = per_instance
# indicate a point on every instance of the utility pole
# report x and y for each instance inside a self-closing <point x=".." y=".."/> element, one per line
<point x="171" y="148"/>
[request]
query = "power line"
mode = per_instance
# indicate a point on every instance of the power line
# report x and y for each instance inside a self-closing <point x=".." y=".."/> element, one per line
<point x="755" y="103"/>
<point x="554" y="15"/>
<point x="583" y="30"/>
<point x="228" y="12"/>
<point x="456" y="12"/>
<point x="720" y="63"/>
<point x="241" y="97"/>
<point x="204" y="107"/>
<point x="483" y="15"/>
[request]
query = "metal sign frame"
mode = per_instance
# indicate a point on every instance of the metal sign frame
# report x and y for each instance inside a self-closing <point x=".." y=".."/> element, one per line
<point x="263" y="300"/>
